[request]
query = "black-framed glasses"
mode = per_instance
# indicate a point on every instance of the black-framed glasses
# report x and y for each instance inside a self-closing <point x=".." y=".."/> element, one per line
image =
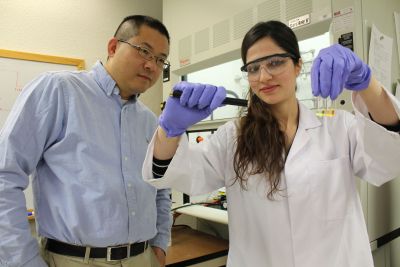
<point x="274" y="64"/>
<point x="148" y="55"/>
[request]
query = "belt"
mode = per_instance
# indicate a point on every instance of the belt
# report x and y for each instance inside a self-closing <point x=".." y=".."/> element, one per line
<point x="114" y="253"/>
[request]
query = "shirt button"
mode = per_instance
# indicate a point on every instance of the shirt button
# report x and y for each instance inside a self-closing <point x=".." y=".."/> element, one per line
<point x="133" y="213"/>
<point x="129" y="185"/>
<point x="126" y="158"/>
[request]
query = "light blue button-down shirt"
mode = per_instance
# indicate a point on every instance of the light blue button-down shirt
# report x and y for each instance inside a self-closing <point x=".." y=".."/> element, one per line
<point x="84" y="149"/>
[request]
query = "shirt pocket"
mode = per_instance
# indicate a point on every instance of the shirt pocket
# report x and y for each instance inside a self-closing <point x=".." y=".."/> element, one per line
<point x="332" y="188"/>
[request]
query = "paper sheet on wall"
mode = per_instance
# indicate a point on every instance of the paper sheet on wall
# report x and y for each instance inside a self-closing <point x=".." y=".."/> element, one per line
<point x="380" y="57"/>
<point x="397" y="26"/>
<point x="343" y="20"/>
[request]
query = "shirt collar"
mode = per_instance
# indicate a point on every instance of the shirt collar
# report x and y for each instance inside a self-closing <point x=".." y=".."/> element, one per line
<point x="106" y="82"/>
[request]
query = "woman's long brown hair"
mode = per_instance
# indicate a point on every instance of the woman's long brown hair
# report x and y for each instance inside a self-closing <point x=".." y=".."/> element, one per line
<point x="260" y="142"/>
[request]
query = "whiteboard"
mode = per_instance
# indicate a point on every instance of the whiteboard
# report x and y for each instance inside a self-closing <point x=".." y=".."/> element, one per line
<point x="19" y="68"/>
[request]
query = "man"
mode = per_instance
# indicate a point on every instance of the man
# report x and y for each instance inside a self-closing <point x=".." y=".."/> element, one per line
<point x="83" y="137"/>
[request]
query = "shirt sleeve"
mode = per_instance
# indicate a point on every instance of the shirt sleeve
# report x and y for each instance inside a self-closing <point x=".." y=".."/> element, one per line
<point x="35" y="262"/>
<point x="164" y="219"/>
<point x="30" y="127"/>
<point x="195" y="169"/>
<point x="376" y="149"/>
<point x="392" y="128"/>
<point x="160" y="167"/>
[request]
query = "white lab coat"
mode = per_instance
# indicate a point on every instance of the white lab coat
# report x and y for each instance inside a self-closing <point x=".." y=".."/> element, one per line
<point x="317" y="220"/>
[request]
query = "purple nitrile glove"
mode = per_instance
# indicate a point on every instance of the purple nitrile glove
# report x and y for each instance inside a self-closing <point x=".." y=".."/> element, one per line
<point x="337" y="67"/>
<point x="197" y="102"/>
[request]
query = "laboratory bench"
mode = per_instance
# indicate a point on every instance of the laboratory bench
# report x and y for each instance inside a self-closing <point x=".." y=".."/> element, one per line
<point x="194" y="248"/>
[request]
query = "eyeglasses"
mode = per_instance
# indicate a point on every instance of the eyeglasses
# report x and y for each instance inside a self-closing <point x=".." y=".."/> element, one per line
<point x="273" y="64"/>
<point x="148" y="55"/>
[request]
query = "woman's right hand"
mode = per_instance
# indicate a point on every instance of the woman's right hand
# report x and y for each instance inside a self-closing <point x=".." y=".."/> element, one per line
<point x="197" y="102"/>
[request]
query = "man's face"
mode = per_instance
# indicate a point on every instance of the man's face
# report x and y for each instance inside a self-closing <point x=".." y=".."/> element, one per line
<point x="132" y="72"/>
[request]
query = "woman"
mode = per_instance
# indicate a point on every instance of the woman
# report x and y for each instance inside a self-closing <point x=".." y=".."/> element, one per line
<point x="289" y="175"/>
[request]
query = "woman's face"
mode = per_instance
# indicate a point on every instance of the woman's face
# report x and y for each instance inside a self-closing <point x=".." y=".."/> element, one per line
<point x="278" y="87"/>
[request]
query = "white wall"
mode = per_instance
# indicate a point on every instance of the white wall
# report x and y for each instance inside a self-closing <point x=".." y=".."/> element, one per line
<point x="73" y="28"/>
<point x="214" y="29"/>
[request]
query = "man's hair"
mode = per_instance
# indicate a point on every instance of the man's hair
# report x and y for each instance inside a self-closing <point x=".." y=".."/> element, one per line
<point x="130" y="26"/>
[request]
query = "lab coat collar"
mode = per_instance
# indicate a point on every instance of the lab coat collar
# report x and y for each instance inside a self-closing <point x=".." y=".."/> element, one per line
<point x="307" y="120"/>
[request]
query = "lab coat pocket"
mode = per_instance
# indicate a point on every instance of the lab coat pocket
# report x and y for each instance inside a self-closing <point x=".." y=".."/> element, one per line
<point x="332" y="186"/>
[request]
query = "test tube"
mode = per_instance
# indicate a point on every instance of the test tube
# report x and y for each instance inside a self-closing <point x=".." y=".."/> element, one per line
<point x="325" y="107"/>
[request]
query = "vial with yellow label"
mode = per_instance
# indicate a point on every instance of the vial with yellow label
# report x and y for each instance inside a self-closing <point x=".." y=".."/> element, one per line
<point x="325" y="107"/>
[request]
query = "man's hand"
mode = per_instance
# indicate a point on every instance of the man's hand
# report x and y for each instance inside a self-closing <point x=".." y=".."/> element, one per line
<point x="160" y="255"/>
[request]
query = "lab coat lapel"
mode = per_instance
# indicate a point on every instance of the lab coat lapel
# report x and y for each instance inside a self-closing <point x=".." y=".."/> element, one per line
<point x="307" y="120"/>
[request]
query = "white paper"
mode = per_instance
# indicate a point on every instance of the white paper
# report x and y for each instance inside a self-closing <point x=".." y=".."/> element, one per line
<point x="343" y="20"/>
<point x="397" y="91"/>
<point x="397" y="27"/>
<point x="380" y="57"/>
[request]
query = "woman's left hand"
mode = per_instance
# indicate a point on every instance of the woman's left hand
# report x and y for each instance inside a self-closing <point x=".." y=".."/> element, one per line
<point x="337" y="67"/>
